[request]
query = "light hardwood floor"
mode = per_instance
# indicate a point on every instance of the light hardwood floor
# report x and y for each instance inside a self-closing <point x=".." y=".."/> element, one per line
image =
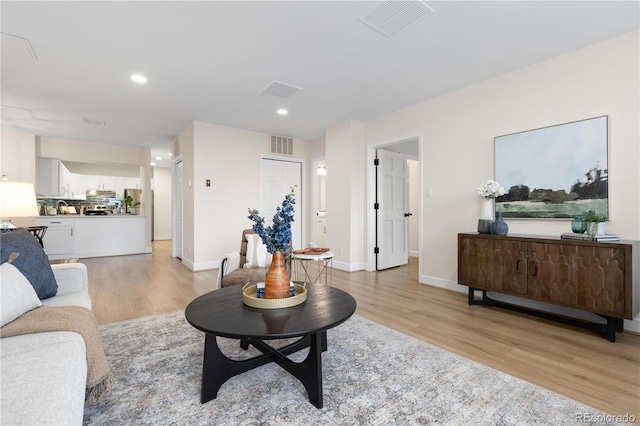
<point x="572" y="362"/>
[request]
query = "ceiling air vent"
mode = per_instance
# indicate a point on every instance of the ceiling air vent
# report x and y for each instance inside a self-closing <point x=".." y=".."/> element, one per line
<point x="281" y="90"/>
<point x="391" y="17"/>
<point x="94" y="122"/>
<point x="281" y="145"/>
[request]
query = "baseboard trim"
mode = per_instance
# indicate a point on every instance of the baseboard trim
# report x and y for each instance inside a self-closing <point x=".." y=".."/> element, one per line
<point x="205" y="266"/>
<point x="348" y="267"/>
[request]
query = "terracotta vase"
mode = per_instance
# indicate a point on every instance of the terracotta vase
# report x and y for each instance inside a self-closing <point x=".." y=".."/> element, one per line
<point x="277" y="283"/>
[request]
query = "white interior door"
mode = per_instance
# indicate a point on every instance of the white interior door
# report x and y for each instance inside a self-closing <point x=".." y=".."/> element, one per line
<point x="392" y="224"/>
<point x="178" y="209"/>
<point x="278" y="176"/>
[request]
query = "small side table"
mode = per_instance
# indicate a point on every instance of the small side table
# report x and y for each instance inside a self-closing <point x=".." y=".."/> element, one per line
<point x="38" y="232"/>
<point x="303" y="272"/>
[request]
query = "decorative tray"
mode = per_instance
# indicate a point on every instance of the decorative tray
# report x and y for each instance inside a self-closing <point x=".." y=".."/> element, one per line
<point x="312" y="250"/>
<point x="250" y="290"/>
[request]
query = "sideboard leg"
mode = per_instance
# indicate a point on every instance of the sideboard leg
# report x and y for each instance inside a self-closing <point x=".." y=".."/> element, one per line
<point x="484" y="301"/>
<point x="612" y="327"/>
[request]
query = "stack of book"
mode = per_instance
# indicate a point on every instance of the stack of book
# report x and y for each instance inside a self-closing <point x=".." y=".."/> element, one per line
<point x="585" y="237"/>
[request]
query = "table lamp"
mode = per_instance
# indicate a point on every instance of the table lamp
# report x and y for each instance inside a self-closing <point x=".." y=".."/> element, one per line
<point x="17" y="199"/>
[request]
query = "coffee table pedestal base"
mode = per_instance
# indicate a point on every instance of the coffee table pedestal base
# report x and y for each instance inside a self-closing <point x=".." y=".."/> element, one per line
<point x="217" y="368"/>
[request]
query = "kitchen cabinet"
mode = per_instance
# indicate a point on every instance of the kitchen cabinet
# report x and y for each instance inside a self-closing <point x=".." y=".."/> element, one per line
<point x="102" y="183"/>
<point x="59" y="240"/>
<point x="53" y="177"/>
<point x="596" y="277"/>
<point x="119" y="188"/>
<point x="110" y="235"/>
<point x="111" y="183"/>
<point x="92" y="236"/>
<point x="131" y="183"/>
<point x="126" y="183"/>
<point x="76" y="188"/>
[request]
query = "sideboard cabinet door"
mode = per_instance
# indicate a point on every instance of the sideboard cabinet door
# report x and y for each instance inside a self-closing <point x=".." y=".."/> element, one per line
<point x="494" y="265"/>
<point x="582" y="277"/>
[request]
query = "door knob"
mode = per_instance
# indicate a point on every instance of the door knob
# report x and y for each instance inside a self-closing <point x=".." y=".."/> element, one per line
<point x="408" y="214"/>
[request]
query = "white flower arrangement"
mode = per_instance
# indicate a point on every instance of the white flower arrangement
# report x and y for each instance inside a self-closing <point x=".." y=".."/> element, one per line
<point x="490" y="189"/>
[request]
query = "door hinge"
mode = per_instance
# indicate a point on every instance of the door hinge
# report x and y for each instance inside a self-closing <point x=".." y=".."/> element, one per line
<point x="376" y="250"/>
<point x="376" y="206"/>
<point x="376" y="162"/>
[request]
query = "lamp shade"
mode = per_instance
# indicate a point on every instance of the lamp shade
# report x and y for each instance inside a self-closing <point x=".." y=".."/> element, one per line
<point x="17" y="199"/>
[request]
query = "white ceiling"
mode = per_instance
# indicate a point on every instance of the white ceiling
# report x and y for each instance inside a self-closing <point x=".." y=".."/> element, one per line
<point x="209" y="61"/>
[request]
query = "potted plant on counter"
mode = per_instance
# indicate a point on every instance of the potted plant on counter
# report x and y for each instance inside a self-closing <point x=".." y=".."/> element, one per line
<point x="129" y="204"/>
<point x="595" y="223"/>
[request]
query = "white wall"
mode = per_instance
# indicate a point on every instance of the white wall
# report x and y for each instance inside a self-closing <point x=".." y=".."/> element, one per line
<point x="18" y="156"/>
<point x="345" y="194"/>
<point x="162" y="203"/>
<point x="215" y="216"/>
<point x="186" y="144"/>
<point x="90" y="152"/>
<point x="458" y="131"/>
<point x="132" y="171"/>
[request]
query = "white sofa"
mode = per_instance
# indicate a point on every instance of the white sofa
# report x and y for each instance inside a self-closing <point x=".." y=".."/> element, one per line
<point x="43" y="375"/>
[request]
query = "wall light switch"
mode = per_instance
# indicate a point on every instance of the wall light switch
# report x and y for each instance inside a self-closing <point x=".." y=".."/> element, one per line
<point x="428" y="192"/>
<point x="189" y="183"/>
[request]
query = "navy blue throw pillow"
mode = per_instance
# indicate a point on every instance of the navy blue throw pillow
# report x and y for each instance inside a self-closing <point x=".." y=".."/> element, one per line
<point x="32" y="261"/>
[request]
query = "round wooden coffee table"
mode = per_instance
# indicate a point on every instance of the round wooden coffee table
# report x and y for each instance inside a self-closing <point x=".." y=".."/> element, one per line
<point x="222" y="313"/>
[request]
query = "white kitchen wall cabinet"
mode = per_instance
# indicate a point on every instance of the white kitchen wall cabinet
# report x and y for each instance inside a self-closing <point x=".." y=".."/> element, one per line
<point x="102" y="183"/>
<point x="126" y="183"/>
<point x="53" y="178"/>
<point x="76" y="188"/>
<point x="119" y="188"/>
<point x="131" y="183"/>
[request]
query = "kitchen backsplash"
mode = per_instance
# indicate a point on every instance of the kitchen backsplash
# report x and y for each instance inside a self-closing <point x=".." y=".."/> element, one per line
<point x="94" y="198"/>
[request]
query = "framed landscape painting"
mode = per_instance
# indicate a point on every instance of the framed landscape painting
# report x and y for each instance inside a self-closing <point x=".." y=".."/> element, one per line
<point x="554" y="172"/>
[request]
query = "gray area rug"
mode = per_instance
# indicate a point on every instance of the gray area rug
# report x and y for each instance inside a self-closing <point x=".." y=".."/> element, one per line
<point x="372" y="376"/>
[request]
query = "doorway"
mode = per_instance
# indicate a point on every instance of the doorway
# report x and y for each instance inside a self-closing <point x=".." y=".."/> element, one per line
<point x="318" y="228"/>
<point x="392" y="209"/>
<point x="410" y="149"/>
<point x="277" y="178"/>
<point x="176" y="246"/>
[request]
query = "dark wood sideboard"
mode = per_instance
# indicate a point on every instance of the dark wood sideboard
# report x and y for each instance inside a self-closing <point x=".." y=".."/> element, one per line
<point x="597" y="277"/>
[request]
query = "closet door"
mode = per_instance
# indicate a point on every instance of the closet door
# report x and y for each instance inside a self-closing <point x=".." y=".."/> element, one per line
<point x="278" y="176"/>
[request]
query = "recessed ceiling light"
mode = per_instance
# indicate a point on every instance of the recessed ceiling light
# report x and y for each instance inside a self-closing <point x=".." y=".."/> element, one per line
<point x="170" y="154"/>
<point x="283" y="111"/>
<point x="153" y="164"/>
<point x="158" y="158"/>
<point x="139" y="78"/>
